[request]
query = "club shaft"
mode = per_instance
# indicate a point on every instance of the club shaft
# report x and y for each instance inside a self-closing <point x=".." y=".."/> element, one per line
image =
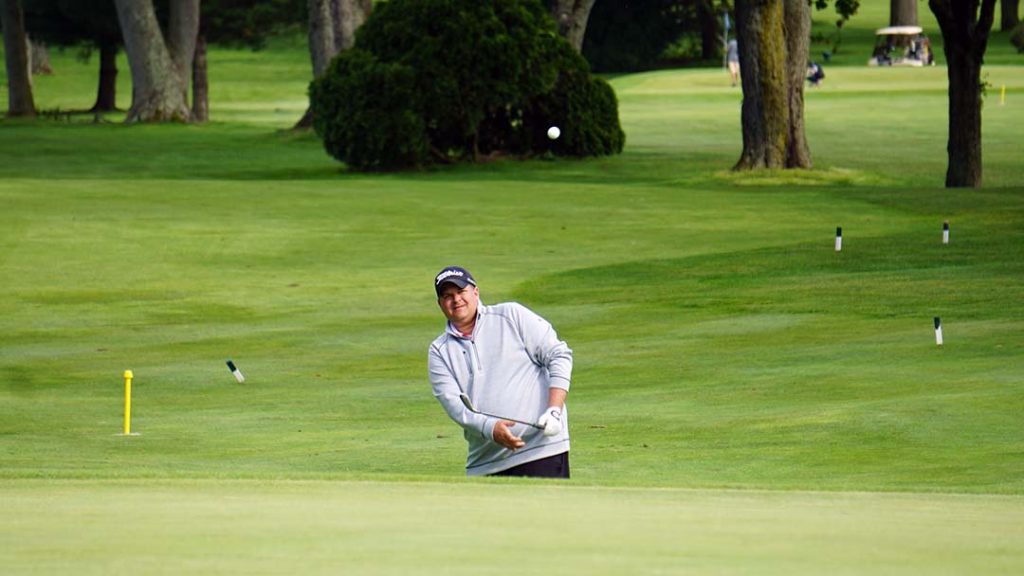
<point x="469" y="406"/>
<point x="534" y="424"/>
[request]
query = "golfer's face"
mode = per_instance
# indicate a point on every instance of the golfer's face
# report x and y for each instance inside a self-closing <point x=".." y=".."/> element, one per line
<point x="459" y="304"/>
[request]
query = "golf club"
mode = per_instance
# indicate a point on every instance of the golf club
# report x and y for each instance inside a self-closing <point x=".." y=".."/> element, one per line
<point x="469" y="406"/>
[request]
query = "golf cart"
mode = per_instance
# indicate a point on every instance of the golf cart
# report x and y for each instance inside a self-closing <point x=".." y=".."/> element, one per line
<point x="902" y="46"/>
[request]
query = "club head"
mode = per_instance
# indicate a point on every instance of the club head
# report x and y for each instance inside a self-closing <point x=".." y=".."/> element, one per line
<point x="466" y="402"/>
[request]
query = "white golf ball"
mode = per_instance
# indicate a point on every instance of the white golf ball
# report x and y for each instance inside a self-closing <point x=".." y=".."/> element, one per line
<point x="554" y="132"/>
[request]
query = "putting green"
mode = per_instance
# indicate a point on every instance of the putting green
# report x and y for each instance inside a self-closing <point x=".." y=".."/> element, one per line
<point x="242" y="527"/>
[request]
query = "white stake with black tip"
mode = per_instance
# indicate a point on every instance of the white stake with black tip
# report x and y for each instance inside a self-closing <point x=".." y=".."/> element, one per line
<point x="938" y="331"/>
<point x="945" y="232"/>
<point x="236" y="372"/>
<point x="839" y="238"/>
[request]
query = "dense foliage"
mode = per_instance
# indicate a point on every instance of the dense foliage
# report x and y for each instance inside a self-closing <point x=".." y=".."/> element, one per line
<point x="249" y="23"/>
<point x="83" y="23"/>
<point x="1017" y="37"/>
<point x="585" y="106"/>
<point x="362" y="113"/>
<point x="446" y="80"/>
<point x="633" y="34"/>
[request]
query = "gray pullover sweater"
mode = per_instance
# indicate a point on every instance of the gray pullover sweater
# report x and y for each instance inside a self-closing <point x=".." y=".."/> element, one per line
<point x="506" y="368"/>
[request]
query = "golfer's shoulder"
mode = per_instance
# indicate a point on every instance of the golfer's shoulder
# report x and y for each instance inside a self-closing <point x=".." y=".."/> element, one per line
<point x="514" y="313"/>
<point x="506" y="310"/>
<point x="439" y="343"/>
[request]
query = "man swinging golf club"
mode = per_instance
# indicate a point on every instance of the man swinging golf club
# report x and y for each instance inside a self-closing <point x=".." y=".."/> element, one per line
<point x="502" y="374"/>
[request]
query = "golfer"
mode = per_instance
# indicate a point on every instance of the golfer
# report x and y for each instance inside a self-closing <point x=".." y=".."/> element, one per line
<point x="510" y="363"/>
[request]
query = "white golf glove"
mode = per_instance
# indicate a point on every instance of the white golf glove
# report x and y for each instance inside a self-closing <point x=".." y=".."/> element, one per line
<point x="551" y="420"/>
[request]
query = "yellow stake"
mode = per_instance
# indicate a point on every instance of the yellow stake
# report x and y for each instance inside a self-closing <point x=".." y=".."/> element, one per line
<point x="1002" y="95"/>
<point x="127" y="402"/>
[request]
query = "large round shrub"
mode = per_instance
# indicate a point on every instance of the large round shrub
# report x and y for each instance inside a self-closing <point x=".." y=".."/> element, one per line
<point x="470" y="56"/>
<point x="584" y="107"/>
<point x="360" y="110"/>
<point x="460" y="77"/>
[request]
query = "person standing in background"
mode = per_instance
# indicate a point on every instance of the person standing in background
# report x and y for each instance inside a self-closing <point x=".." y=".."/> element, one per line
<point x="732" y="59"/>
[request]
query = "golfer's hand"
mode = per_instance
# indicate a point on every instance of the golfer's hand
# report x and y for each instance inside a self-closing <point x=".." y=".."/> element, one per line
<point x="551" y="421"/>
<point x="504" y="436"/>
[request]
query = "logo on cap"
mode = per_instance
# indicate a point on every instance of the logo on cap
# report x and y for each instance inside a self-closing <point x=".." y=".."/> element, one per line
<point x="455" y="275"/>
<point x="447" y="274"/>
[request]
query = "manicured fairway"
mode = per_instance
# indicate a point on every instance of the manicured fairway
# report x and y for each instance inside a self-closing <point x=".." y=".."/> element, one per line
<point x="278" y="527"/>
<point x="746" y="400"/>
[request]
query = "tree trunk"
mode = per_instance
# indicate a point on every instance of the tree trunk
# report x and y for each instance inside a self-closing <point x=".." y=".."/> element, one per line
<point x="1008" y="14"/>
<point x="322" y="46"/>
<point x="351" y="15"/>
<point x="774" y="42"/>
<point x="964" y="145"/>
<point x="797" y="29"/>
<point x="160" y="69"/>
<point x="965" y="38"/>
<point x="19" y="78"/>
<point x="764" y="114"/>
<point x="332" y="28"/>
<point x="571" y="17"/>
<point x="40" y="57"/>
<point x="200" y="83"/>
<point x="902" y="12"/>
<point x="106" y="92"/>
<point x="182" y="35"/>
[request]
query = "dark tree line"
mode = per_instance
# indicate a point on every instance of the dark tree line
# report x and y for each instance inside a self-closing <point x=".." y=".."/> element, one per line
<point x="634" y="35"/>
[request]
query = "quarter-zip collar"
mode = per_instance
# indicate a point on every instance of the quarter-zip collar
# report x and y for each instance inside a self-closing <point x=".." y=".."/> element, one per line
<point x="468" y="343"/>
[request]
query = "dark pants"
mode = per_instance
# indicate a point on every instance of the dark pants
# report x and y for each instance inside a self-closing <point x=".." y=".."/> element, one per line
<point x="556" y="466"/>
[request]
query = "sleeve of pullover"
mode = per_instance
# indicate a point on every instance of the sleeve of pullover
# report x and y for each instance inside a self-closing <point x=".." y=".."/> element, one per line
<point x="545" y="348"/>
<point x="447" y="391"/>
